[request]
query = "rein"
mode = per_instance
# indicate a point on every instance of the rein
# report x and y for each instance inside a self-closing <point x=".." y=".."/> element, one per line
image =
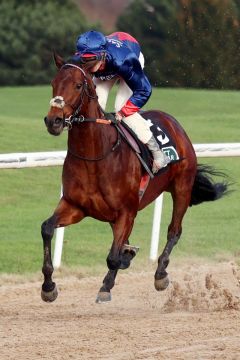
<point x="80" y="119"/>
<point x="75" y="118"/>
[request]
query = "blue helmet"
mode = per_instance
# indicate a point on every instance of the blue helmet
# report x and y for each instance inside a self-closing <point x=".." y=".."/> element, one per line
<point x="91" y="42"/>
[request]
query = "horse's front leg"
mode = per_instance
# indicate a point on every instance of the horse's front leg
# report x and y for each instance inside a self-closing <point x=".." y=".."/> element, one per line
<point x="65" y="214"/>
<point x="120" y="254"/>
<point x="128" y="253"/>
<point x="104" y="293"/>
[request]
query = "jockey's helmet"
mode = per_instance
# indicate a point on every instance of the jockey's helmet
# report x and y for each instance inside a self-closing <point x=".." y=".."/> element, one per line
<point x="91" y="44"/>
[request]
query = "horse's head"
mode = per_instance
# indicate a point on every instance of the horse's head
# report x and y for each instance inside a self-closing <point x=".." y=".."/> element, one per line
<point x="69" y="86"/>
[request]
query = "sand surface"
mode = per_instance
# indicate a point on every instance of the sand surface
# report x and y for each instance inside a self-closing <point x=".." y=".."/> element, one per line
<point x="197" y="317"/>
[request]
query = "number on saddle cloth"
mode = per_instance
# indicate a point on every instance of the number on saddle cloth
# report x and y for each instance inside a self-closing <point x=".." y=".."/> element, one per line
<point x="165" y="142"/>
<point x="163" y="139"/>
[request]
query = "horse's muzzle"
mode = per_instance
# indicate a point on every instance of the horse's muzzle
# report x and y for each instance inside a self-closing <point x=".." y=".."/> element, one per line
<point x="54" y="125"/>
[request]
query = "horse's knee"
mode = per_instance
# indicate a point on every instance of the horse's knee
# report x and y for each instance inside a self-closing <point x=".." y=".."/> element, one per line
<point x="113" y="263"/>
<point x="47" y="228"/>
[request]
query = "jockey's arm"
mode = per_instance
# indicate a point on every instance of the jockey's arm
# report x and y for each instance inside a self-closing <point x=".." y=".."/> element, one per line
<point x="132" y="73"/>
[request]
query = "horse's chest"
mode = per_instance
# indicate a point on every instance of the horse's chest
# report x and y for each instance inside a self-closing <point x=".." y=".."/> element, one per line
<point x="92" y="198"/>
<point x="99" y="191"/>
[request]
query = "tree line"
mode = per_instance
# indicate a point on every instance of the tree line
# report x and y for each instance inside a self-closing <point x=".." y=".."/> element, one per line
<point x="189" y="43"/>
<point x="29" y="32"/>
<point x="186" y="43"/>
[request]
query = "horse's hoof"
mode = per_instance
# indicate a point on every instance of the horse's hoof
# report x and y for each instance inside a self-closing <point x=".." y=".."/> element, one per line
<point x="103" y="296"/>
<point x="124" y="264"/>
<point x="133" y="250"/>
<point x="161" y="284"/>
<point x="49" y="296"/>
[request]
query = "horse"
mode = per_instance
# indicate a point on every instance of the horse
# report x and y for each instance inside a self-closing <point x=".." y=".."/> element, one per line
<point x="102" y="175"/>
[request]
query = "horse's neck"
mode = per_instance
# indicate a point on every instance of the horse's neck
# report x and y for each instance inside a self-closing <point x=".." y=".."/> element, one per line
<point x="91" y="109"/>
<point x="89" y="139"/>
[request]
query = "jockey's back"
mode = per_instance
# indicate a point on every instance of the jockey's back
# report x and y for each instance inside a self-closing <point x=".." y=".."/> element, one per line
<point x="122" y="39"/>
<point x="122" y="55"/>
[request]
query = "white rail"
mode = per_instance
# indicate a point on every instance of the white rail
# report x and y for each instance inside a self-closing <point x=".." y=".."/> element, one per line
<point x="53" y="158"/>
<point x="217" y="150"/>
<point x="202" y="150"/>
<point x="22" y="160"/>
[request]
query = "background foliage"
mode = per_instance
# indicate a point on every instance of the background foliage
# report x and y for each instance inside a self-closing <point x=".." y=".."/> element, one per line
<point x="29" y="31"/>
<point x="186" y="43"/>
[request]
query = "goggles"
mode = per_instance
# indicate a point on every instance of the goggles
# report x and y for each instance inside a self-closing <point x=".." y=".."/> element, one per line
<point x="84" y="58"/>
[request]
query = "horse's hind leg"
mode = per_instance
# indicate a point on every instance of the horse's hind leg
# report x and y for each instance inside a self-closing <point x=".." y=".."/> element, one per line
<point x="65" y="214"/>
<point x="181" y="195"/>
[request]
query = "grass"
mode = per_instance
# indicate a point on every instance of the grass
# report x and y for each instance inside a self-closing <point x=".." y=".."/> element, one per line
<point x="28" y="196"/>
<point x="22" y="113"/>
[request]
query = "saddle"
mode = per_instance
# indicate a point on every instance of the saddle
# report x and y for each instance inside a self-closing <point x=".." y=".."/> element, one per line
<point x="163" y="139"/>
<point x="144" y="155"/>
<point x="141" y="150"/>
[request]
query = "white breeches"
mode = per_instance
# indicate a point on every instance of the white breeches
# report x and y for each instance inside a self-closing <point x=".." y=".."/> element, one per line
<point x="103" y="88"/>
<point x="136" y="122"/>
<point x="140" y="126"/>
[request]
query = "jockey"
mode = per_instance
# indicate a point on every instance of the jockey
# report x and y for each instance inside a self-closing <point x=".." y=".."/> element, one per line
<point x="119" y="58"/>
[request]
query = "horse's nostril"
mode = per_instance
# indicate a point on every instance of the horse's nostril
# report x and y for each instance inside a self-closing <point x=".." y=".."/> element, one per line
<point x="58" y="121"/>
<point x="46" y="120"/>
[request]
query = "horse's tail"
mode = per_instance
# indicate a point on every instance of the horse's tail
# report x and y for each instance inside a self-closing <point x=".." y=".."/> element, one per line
<point x="204" y="187"/>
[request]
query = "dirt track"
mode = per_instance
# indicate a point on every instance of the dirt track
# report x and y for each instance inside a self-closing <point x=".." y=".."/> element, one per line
<point x="197" y="317"/>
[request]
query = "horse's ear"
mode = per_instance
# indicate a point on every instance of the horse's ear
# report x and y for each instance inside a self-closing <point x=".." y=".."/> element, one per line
<point x="58" y="60"/>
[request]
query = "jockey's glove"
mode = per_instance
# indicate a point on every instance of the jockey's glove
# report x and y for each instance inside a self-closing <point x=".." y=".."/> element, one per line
<point x="118" y="117"/>
<point x="110" y="116"/>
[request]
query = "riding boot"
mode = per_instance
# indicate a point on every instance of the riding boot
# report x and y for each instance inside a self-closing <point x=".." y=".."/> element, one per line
<point x="141" y="128"/>
<point x="160" y="159"/>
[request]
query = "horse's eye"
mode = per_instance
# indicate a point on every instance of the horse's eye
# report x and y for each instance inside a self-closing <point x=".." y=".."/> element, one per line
<point x="78" y="86"/>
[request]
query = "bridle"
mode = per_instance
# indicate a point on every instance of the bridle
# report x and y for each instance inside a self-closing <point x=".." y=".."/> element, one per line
<point x="75" y="118"/>
<point x="58" y="101"/>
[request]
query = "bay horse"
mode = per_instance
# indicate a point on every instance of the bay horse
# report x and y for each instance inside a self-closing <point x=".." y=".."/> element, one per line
<point x="102" y="174"/>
